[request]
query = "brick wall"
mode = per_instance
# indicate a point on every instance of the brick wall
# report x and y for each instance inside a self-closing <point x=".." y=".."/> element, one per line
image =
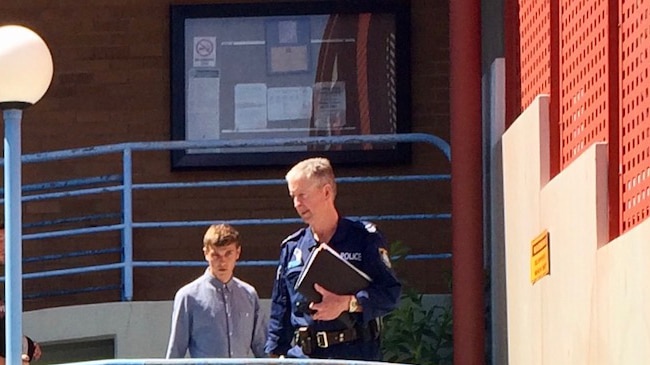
<point x="111" y="85"/>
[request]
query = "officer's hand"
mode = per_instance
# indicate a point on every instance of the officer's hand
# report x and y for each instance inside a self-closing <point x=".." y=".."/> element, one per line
<point x="331" y="306"/>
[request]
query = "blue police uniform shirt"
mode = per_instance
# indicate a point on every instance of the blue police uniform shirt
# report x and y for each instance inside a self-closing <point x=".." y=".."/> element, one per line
<point x="362" y="246"/>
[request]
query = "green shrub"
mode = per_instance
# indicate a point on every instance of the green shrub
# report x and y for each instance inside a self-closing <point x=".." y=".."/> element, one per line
<point x="416" y="333"/>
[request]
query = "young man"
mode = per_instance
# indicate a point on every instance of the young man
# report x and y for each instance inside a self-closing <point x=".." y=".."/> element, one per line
<point x="340" y="326"/>
<point x="31" y="349"/>
<point x="217" y="315"/>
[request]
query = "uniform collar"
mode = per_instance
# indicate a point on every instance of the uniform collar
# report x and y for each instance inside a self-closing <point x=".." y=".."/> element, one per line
<point x="309" y="236"/>
<point x="342" y="228"/>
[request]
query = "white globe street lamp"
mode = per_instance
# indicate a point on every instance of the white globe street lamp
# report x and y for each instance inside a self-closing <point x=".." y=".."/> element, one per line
<point x="25" y="75"/>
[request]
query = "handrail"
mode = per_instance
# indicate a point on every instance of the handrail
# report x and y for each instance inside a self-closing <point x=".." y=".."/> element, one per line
<point x="125" y="185"/>
<point x="189" y="361"/>
<point x="436" y="141"/>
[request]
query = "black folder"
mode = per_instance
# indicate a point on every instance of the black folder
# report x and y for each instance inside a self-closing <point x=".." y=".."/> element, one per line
<point x="331" y="271"/>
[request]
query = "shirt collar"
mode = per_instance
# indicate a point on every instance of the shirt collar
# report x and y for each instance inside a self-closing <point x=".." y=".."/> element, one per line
<point x="217" y="283"/>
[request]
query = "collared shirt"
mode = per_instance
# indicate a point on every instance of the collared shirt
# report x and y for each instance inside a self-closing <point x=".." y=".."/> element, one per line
<point x="363" y="247"/>
<point x="216" y="320"/>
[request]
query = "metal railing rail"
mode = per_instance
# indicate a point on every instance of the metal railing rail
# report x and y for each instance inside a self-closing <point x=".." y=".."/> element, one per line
<point x="124" y="184"/>
<point x="189" y="361"/>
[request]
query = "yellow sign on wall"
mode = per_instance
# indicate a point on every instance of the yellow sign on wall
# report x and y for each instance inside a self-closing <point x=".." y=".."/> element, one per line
<point x="540" y="258"/>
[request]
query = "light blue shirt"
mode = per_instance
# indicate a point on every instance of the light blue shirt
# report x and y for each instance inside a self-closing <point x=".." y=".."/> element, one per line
<point x="216" y="320"/>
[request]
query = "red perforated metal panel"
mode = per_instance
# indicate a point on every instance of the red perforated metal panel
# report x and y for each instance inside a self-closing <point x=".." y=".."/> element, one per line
<point x="634" y="62"/>
<point x="534" y="49"/>
<point x="585" y="99"/>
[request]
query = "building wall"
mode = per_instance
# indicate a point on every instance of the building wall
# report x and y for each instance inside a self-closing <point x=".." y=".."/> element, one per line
<point x="139" y="329"/>
<point x="592" y="308"/>
<point x="111" y="85"/>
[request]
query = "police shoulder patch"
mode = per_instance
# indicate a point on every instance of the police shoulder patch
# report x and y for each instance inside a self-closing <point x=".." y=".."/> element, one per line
<point x="293" y="237"/>
<point x="385" y="258"/>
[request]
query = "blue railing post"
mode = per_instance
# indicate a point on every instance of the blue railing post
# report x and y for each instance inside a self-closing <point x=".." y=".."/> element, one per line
<point x="13" y="241"/>
<point x="127" y="222"/>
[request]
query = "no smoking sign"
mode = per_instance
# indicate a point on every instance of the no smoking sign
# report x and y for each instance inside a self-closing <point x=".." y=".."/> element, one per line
<point x="204" y="52"/>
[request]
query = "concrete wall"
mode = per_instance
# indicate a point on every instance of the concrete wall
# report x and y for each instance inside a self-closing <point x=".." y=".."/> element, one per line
<point x="139" y="329"/>
<point x="593" y="307"/>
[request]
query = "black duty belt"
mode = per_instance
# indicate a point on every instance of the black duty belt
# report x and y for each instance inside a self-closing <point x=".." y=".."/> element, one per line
<point x="309" y="339"/>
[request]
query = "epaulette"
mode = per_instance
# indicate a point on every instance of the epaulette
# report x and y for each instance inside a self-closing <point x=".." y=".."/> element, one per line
<point x="364" y="226"/>
<point x="294" y="236"/>
<point x="369" y="226"/>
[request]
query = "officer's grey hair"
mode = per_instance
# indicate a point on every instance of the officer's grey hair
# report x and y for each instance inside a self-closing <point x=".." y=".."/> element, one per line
<point x="318" y="168"/>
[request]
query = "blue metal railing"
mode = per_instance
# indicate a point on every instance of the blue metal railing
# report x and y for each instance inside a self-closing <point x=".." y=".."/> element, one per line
<point x="228" y="362"/>
<point x="116" y="183"/>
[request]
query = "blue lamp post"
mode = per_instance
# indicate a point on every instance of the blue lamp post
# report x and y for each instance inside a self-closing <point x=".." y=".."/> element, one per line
<point x="25" y="74"/>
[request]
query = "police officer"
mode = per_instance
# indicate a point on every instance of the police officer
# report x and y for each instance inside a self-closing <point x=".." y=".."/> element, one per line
<point x="339" y="326"/>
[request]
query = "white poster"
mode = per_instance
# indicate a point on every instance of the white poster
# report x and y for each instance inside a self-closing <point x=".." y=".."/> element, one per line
<point x="250" y="106"/>
<point x="202" y="106"/>
<point x="287" y="103"/>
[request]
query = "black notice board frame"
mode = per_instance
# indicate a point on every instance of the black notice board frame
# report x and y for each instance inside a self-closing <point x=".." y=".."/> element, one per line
<point x="290" y="69"/>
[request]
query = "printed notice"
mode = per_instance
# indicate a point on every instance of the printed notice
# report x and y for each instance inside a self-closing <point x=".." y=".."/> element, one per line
<point x="205" y="52"/>
<point x="329" y="105"/>
<point x="289" y="59"/>
<point x="202" y="106"/>
<point x="250" y="106"/>
<point x="287" y="103"/>
<point x="288" y="44"/>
